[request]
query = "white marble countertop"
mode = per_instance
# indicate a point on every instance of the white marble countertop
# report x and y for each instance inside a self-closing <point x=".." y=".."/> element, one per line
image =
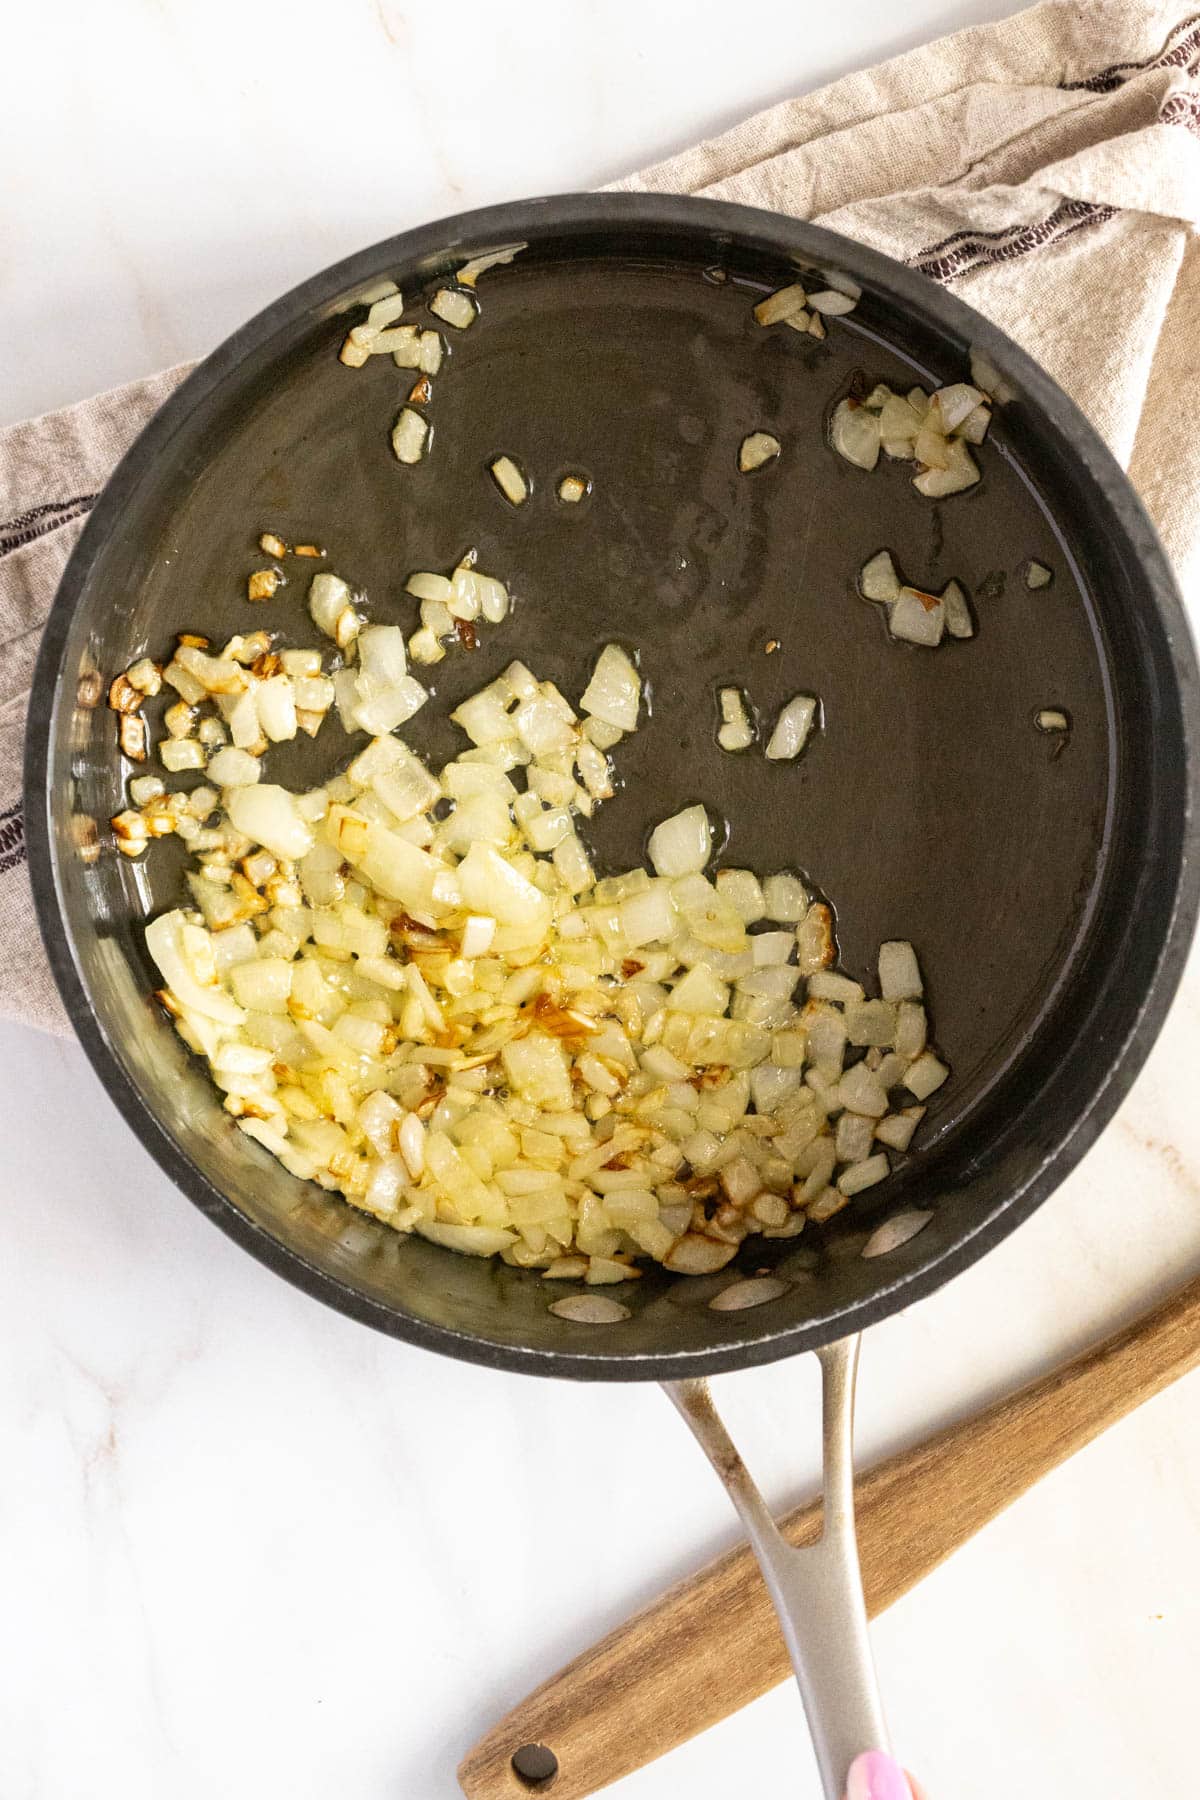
<point x="248" y="1548"/>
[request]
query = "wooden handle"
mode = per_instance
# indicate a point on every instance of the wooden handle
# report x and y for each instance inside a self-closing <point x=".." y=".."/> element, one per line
<point x="711" y="1644"/>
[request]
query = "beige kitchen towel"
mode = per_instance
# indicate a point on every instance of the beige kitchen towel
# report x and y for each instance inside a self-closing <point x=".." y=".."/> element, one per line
<point x="1046" y="168"/>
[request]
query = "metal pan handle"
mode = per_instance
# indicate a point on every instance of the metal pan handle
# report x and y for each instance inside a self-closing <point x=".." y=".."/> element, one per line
<point x="817" y="1589"/>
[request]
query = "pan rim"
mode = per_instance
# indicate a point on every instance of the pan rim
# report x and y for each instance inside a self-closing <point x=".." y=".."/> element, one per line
<point x="783" y="238"/>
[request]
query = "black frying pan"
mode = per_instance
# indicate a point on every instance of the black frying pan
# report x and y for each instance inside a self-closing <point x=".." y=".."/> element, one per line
<point x="1051" y="889"/>
<point x="1051" y="896"/>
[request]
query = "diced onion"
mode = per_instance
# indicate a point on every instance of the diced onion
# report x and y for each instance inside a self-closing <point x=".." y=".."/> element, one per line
<point x="145" y="676"/>
<point x="878" y="579"/>
<point x="787" y="306"/>
<point x="961" y="471"/>
<point x="735" y="731"/>
<point x="954" y="405"/>
<point x="741" y="889"/>
<point x="428" y="586"/>
<point x="470" y="272"/>
<point x="863" y="1175"/>
<point x="455" y="307"/>
<point x="854" y="432"/>
<point x="895" y="1231"/>
<point x="934" y="430"/>
<point x="614" y="692"/>
<point x="682" y="843"/>
<point x="758" y="448"/>
<point x="328" y="602"/>
<point x="792" y="728"/>
<point x="478" y="933"/>
<point x="167" y="939"/>
<point x="510" y="480"/>
<point x="590" y="1309"/>
<point x="957" y="609"/>
<point x="831" y="303"/>
<point x="756" y="1291"/>
<point x="814" y="940"/>
<point x="412" y="988"/>
<point x="899" y="973"/>
<point x="917" y="618"/>
<point x="177" y="754"/>
<point x="404" y="344"/>
<point x="925" y="1076"/>
<point x="900" y="424"/>
<point x="269" y="815"/>
<point x="696" y="1254"/>
<point x="468" y="1240"/>
<point x="410" y="437"/>
<point x="430" y="351"/>
<point x="275" y="700"/>
<point x="785" y="899"/>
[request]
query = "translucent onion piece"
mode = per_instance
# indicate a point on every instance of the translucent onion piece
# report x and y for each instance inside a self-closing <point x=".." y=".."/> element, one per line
<point x="863" y="1175"/>
<point x="974" y="427"/>
<point x="854" y="433"/>
<point x="899" y="424"/>
<point x="831" y="303"/>
<point x="430" y="351"/>
<point x="785" y="899"/>
<point x="176" y="754"/>
<point x="510" y="480"/>
<point x="758" y="448"/>
<point x="378" y="290"/>
<point x="741" y="889"/>
<point x="756" y="1291"/>
<point x="681" y="844"/>
<point x="455" y="307"/>
<point x="899" y="973"/>
<point x="792" y="728"/>
<point x="785" y="306"/>
<point x="167" y="941"/>
<point x="925" y="1076"/>
<point x="614" y="692"/>
<point x="988" y="378"/>
<point x="410" y="437"/>
<point x="404" y="343"/>
<point x="961" y="471"/>
<point x="917" y="618"/>
<point x="470" y="272"/>
<point x="328" y="599"/>
<point x="878" y="579"/>
<point x="895" y="1231"/>
<point x="269" y="815"/>
<point x="695" y="1254"/>
<point x="954" y="405"/>
<point x="735" y="731"/>
<point x="957" y="609"/>
<point x="930" y="445"/>
<point x="386" y="311"/>
<point x="589" y="1309"/>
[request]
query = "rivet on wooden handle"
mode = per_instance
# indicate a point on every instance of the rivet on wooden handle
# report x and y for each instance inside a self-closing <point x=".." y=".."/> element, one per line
<point x="711" y="1644"/>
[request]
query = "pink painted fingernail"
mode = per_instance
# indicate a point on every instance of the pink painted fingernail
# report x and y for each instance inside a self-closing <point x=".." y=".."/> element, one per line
<point x="874" y="1776"/>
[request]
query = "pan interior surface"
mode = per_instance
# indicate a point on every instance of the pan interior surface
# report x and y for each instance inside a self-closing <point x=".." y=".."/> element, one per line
<point x="929" y="806"/>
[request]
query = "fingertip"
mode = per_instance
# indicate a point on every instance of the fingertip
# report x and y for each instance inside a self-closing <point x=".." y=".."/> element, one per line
<point x="876" y="1776"/>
